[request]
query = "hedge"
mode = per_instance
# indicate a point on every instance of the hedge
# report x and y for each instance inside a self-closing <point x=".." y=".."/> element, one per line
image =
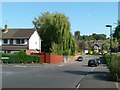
<point x="16" y="59"/>
<point x="114" y="66"/>
<point x="20" y="57"/>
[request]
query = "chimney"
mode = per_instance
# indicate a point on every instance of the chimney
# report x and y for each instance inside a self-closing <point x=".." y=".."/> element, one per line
<point x="6" y="28"/>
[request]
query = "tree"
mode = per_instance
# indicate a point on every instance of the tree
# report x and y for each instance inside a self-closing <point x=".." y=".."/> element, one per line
<point x="98" y="36"/>
<point x="106" y="44"/>
<point x="54" y="29"/>
<point x="116" y="34"/>
<point x="77" y="35"/>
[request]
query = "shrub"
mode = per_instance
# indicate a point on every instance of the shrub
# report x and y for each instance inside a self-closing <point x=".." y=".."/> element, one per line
<point x="20" y="57"/>
<point x="114" y="65"/>
<point x="91" y="52"/>
<point x="5" y="55"/>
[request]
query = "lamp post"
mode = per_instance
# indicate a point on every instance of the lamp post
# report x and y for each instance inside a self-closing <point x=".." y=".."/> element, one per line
<point x="110" y="26"/>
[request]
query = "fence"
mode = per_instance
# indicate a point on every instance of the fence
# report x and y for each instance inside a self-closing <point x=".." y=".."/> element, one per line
<point x="50" y="58"/>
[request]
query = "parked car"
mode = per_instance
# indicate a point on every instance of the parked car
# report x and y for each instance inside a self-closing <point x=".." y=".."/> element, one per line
<point x="80" y="58"/>
<point x="98" y="59"/>
<point x="93" y="62"/>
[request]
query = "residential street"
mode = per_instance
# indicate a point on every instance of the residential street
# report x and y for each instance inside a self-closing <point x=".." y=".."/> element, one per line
<point x="67" y="75"/>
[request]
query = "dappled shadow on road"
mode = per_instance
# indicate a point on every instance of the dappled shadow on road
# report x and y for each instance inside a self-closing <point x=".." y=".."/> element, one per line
<point x="85" y="65"/>
<point x="95" y="75"/>
<point x="76" y="72"/>
<point x="101" y="75"/>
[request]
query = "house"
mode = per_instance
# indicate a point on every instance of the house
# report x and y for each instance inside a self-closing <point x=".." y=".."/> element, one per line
<point x="84" y="46"/>
<point x="96" y="48"/>
<point x="98" y="45"/>
<point x="14" y="40"/>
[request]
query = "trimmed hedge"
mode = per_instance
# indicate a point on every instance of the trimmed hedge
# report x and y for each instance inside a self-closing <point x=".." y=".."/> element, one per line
<point x="20" y="57"/>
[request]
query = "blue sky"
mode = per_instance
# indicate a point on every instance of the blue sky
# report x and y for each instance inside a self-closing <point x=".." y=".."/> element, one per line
<point x="87" y="17"/>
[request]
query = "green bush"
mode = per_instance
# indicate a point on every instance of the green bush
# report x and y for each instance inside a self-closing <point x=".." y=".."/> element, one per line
<point x="36" y="59"/>
<point x="107" y="57"/>
<point x="81" y="52"/>
<point x="90" y="52"/>
<point x="21" y="57"/>
<point x="5" y="55"/>
<point x="114" y="66"/>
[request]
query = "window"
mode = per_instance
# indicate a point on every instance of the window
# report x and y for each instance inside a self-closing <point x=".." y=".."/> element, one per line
<point x="22" y="41"/>
<point x="5" y="41"/>
<point x="19" y="41"/>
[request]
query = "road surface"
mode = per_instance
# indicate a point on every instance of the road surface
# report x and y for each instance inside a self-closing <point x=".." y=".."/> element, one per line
<point x="67" y="75"/>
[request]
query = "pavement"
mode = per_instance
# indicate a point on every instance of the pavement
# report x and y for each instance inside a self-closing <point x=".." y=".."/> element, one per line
<point x="118" y="85"/>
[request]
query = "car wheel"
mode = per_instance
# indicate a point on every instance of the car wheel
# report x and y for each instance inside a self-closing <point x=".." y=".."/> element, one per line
<point x="95" y="65"/>
<point x="88" y="65"/>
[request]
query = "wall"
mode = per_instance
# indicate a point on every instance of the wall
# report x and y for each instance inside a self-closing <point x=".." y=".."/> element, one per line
<point x="35" y="41"/>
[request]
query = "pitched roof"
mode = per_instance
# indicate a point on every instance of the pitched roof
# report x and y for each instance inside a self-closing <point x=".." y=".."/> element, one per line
<point x="84" y="45"/>
<point x="17" y="33"/>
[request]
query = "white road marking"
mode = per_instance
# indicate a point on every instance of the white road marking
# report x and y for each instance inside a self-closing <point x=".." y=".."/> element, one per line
<point x="19" y="66"/>
<point x="93" y="69"/>
<point x="117" y="86"/>
<point x="61" y="65"/>
<point x="7" y="73"/>
<point x="78" y="85"/>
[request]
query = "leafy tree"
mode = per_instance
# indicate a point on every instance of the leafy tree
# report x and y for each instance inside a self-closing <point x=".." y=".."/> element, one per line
<point x="54" y="29"/>
<point x="116" y="34"/>
<point x="77" y="35"/>
<point x="106" y="44"/>
<point x="94" y="36"/>
<point x="98" y="36"/>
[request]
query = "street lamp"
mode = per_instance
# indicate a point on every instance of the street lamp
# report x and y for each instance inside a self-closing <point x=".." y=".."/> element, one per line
<point x="110" y="26"/>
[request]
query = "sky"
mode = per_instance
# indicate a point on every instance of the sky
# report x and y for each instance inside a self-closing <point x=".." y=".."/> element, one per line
<point x="86" y="17"/>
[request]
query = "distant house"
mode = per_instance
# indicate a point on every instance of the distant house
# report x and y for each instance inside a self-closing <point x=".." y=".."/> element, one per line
<point x="84" y="46"/>
<point x="14" y="40"/>
<point x="97" y="45"/>
<point x="96" y="48"/>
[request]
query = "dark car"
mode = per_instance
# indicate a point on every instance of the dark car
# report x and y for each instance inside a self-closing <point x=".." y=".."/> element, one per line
<point x="98" y="59"/>
<point x="80" y="58"/>
<point x="93" y="62"/>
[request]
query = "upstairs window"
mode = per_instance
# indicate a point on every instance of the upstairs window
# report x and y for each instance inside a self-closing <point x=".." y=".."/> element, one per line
<point x="5" y="41"/>
<point x="22" y="41"/>
<point x="19" y="41"/>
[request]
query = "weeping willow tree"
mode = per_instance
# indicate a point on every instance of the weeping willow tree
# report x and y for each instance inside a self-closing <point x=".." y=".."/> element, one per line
<point x="54" y="29"/>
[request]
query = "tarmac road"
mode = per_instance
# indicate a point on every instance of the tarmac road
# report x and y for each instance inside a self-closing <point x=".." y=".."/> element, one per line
<point x="68" y="75"/>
